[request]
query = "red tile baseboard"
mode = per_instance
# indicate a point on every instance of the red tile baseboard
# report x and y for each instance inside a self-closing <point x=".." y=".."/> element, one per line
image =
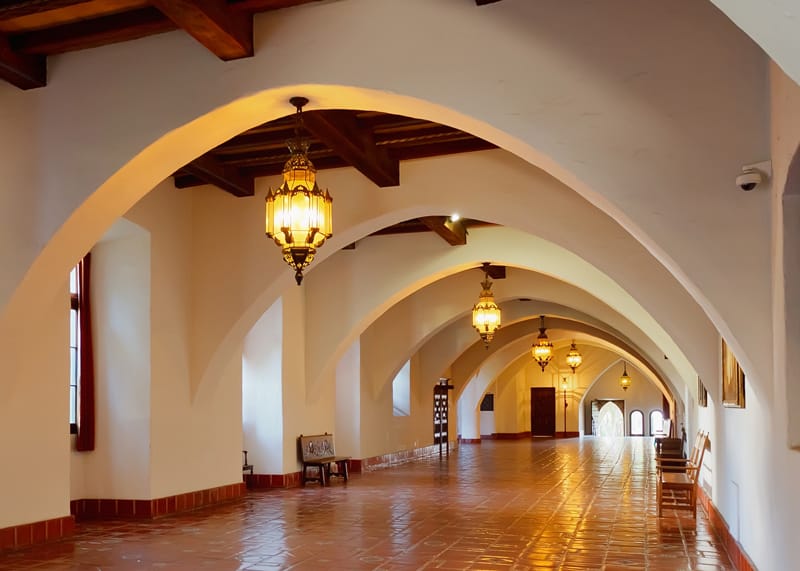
<point x="261" y="481"/>
<point x="94" y="509"/>
<point x="37" y="532"/>
<point x="358" y="466"/>
<point x="510" y="435"/>
<point x="739" y="558"/>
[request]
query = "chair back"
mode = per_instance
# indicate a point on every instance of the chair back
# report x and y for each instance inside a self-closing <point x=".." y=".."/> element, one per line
<point x="696" y="460"/>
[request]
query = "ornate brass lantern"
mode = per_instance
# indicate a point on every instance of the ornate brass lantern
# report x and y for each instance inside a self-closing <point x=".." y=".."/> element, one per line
<point x="298" y="213"/>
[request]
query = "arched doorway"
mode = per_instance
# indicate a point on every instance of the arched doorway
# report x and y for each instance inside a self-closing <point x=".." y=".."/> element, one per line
<point x="610" y="423"/>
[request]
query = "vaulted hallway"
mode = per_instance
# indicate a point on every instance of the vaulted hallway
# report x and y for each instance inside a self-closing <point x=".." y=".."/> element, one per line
<point x="524" y="504"/>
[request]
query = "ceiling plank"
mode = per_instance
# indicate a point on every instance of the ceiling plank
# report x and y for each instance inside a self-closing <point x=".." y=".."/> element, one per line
<point x="454" y="233"/>
<point x="21" y="70"/>
<point x="226" y="33"/>
<point x="229" y="179"/>
<point x="94" y="33"/>
<point x="340" y="131"/>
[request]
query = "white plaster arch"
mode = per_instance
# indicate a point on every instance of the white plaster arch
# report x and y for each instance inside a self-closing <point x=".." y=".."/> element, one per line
<point x="643" y="368"/>
<point x="423" y="259"/>
<point x="773" y="25"/>
<point x="143" y="109"/>
<point x="442" y="309"/>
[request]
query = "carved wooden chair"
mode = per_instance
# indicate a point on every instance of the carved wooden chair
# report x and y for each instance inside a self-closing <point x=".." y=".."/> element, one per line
<point x="678" y="478"/>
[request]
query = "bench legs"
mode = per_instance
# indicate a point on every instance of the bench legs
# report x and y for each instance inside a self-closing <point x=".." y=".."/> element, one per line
<point x="321" y="473"/>
<point x="325" y="471"/>
<point x="342" y="467"/>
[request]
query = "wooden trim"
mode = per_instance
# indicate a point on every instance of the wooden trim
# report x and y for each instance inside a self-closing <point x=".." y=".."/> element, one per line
<point x="568" y="434"/>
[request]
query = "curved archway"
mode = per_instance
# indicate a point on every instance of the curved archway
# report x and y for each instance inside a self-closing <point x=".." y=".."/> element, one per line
<point x="610" y="421"/>
<point x="180" y="130"/>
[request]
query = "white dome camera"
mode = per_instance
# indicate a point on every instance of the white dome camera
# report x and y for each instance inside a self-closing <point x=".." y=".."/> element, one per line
<point x="749" y="179"/>
<point x="753" y="175"/>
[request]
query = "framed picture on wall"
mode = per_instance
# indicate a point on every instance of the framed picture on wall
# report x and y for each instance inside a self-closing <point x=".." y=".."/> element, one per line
<point x="702" y="394"/>
<point x="732" y="379"/>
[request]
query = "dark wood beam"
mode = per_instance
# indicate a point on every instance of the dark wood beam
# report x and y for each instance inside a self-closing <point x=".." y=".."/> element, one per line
<point x="229" y="179"/>
<point x="22" y="70"/>
<point x="497" y="272"/>
<point x="21" y="8"/>
<point x="340" y="131"/>
<point x="266" y="5"/>
<point x="454" y="233"/>
<point x="95" y="32"/>
<point x="226" y="33"/>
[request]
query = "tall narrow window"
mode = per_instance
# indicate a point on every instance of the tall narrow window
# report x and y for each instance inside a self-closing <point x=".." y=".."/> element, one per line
<point x="637" y="423"/>
<point x="401" y="391"/>
<point x="81" y="382"/>
<point x="74" y="349"/>
<point x="656" y="422"/>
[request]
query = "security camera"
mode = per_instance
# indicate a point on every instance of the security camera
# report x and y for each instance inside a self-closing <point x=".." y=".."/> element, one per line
<point x="753" y="175"/>
<point x="749" y="179"/>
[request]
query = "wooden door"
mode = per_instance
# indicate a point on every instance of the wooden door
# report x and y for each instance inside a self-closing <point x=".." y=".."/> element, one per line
<point x="543" y="411"/>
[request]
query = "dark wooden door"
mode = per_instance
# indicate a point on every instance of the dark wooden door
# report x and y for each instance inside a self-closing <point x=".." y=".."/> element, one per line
<point x="543" y="411"/>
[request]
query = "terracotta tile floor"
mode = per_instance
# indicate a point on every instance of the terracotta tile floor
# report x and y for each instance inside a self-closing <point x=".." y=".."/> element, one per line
<point x="566" y="504"/>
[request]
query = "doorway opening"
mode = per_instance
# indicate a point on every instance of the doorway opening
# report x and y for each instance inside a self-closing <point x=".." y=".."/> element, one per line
<point x="610" y="423"/>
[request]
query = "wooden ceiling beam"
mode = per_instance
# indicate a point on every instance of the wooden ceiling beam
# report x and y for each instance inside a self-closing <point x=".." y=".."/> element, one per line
<point x="22" y="8"/>
<point x="496" y="272"/>
<point x="95" y="32"/>
<point x="340" y="131"/>
<point x="226" y="33"/>
<point x="21" y="70"/>
<point x="454" y="233"/>
<point x="266" y="5"/>
<point x="211" y="171"/>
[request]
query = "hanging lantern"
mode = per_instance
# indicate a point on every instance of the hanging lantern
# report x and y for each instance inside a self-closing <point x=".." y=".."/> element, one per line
<point x="486" y="313"/>
<point x="625" y="379"/>
<point x="574" y="358"/>
<point x="298" y="213"/>
<point x="542" y="349"/>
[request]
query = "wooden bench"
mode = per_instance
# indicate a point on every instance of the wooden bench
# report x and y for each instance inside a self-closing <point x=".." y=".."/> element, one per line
<point x="317" y="452"/>
<point x="678" y="478"/>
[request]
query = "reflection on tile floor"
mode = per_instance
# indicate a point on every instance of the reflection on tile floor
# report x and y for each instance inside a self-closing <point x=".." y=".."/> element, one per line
<point x="545" y="504"/>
